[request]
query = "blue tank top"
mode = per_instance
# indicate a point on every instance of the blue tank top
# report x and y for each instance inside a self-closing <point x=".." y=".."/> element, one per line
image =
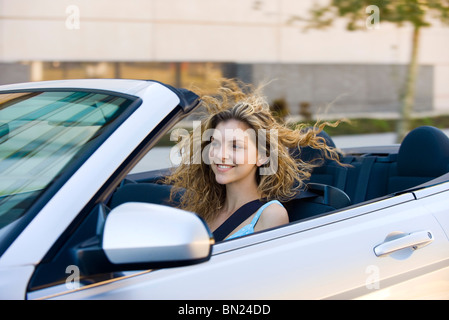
<point x="249" y="228"/>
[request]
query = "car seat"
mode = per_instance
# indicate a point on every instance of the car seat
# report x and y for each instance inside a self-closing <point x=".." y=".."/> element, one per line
<point x="316" y="199"/>
<point x="143" y="192"/>
<point x="328" y="171"/>
<point x="423" y="156"/>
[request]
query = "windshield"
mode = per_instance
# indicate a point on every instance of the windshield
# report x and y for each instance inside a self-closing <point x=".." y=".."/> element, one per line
<point x="41" y="134"/>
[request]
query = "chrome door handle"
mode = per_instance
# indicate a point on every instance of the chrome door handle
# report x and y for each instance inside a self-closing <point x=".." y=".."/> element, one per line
<point x="414" y="240"/>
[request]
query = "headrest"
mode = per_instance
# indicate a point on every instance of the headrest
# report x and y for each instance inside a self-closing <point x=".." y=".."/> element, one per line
<point x="309" y="154"/>
<point x="424" y="152"/>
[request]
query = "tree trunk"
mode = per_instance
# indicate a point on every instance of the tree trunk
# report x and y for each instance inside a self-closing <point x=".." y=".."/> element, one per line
<point x="408" y="97"/>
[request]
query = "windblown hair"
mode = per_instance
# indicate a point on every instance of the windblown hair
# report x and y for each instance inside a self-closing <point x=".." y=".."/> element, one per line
<point x="242" y="102"/>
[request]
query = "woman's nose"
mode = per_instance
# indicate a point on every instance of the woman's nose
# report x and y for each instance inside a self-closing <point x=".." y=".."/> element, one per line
<point x="222" y="153"/>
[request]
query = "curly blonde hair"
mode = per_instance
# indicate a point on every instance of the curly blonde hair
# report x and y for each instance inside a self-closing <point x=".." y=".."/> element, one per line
<point x="242" y="102"/>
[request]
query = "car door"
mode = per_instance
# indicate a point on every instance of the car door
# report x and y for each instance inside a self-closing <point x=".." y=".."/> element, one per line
<point x="343" y="255"/>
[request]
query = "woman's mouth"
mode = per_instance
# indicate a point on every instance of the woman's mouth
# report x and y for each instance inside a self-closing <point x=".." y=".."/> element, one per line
<point x="224" y="167"/>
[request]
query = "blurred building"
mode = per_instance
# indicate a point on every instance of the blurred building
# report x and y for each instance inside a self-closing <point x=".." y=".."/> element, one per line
<point x="190" y="43"/>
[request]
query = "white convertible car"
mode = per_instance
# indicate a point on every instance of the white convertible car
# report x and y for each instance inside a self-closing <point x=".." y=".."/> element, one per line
<point x="75" y="224"/>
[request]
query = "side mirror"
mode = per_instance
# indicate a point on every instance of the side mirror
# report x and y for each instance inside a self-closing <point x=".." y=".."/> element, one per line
<point x="151" y="234"/>
<point x="140" y="236"/>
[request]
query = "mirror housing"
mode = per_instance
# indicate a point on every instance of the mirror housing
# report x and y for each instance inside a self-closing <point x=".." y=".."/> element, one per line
<point x="150" y="233"/>
<point x="141" y="236"/>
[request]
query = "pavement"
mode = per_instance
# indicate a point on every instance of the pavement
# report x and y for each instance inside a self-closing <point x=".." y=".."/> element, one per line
<point x="367" y="140"/>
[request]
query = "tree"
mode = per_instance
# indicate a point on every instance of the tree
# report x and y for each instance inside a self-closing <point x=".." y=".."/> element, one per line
<point x="400" y="12"/>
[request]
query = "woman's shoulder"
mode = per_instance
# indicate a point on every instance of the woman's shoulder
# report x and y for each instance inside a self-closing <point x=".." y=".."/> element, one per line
<point x="273" y="215"/>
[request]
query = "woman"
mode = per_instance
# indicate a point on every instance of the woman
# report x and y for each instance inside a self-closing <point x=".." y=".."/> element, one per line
<point x="246" y="169"/>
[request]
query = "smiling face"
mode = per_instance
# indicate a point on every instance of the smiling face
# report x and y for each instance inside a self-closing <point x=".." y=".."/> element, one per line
<point x="233" y="152"/>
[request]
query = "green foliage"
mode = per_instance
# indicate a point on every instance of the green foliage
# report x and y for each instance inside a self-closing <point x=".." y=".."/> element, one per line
<point x="370" y="125"/>
<point x="279" y="108"/>
<point x="416" y="12"/>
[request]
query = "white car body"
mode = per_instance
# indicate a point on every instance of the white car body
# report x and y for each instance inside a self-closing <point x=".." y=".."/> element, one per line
<point x="331" y="256"/>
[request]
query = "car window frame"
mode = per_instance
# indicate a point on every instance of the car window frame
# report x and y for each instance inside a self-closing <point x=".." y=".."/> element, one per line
<point x="103" y="194"/>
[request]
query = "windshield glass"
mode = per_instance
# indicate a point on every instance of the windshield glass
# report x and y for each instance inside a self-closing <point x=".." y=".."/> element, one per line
<point x="41" y="134"/>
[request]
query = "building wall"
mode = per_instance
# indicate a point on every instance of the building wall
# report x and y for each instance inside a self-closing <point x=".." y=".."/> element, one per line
<point x="340" y="89"/>
<point x="13" y="73"/>
<point x="317" y="66"/>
